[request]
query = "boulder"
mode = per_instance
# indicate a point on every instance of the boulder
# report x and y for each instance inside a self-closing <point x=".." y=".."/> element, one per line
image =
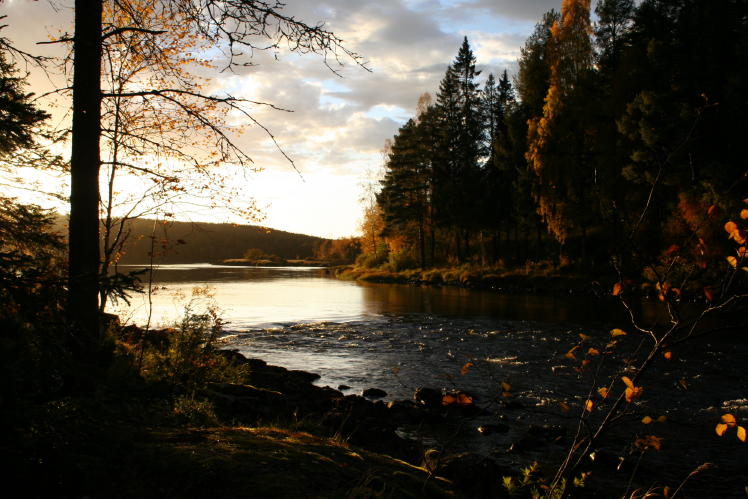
<point x="374" y="393"/>
<point x="430" y="398"/>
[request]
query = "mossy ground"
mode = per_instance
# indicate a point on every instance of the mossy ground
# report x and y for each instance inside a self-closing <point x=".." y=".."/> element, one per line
<point x="115" y="447"/>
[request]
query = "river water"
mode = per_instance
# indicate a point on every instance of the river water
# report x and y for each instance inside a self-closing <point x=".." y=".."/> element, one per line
<point x="401" y="337"/>
<point x="390" y="336"/>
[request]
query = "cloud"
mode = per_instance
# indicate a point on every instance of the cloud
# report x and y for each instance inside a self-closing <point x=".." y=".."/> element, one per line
<point x="338" y="125"/>
<point x="525" y="10"/>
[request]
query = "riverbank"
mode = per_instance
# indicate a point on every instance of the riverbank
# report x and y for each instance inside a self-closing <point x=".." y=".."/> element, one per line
<point x="525" y="280"/>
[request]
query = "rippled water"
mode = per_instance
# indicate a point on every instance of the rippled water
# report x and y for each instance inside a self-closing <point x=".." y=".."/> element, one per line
<point x="400" y="337"/>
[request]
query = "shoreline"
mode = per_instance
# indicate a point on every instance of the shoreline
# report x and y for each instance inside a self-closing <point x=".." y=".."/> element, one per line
<point x="477" y="278"/>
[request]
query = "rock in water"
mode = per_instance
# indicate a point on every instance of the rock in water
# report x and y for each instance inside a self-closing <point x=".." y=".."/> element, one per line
<point x="374" y="393"/>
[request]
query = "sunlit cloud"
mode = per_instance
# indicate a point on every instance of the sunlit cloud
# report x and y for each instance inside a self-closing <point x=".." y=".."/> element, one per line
<point x="337" y="126"/>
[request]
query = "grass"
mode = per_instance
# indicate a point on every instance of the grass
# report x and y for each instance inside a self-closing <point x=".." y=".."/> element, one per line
<point x="534" y="277"/>
<point x="131" y="446"/>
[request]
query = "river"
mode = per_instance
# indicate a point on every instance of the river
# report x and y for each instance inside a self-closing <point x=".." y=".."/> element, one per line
<point x="401" y="337"/>
<point x="392" y="336"/>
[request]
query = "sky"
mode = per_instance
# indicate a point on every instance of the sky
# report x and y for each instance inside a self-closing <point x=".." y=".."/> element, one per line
<point x="339" y="124"/>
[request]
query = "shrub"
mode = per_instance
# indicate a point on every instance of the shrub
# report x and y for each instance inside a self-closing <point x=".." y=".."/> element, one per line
<point x="401" y="260"/>
<point x="190" y="359"/>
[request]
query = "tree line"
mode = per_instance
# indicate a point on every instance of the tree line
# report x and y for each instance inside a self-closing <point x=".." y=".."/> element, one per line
<point x="616" y="140"/>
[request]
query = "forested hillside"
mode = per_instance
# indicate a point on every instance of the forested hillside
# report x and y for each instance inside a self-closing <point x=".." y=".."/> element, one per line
<point x="618" y="141"/>
<point x="194" y="242"/>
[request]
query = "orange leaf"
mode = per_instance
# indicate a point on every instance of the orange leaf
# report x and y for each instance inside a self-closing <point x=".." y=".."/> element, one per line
<point x="649" y="442"/>
<point x="720" y="429"/>
<point x="570" y="353"/>
<point x="617" y="332"/>
<point x="564" y="407"/>
<point x="466" y="368"/>
<point x="728" y="419"/>
<point x="741" y="433"/>
<point x="506" y="386"/>
<point x="448" y="399"/>
<point x="683" y="383"/>
<point x="667" y="354"/>
<point x="617" y="287"/>
<point x="731" y="227"/>
<point x="743" y="214"/>
<point x="589" y="405"/>
<point x="711" y="210"/>
<point x="603" y="392"/>
<point x="662" y="419"/>
<point x="593" y="351"/>
<point x="647" y="420"/>
<point x="732" y="261"/>
<point x="633" y="393"/>
<point x="709" y="294"/>
<point x="464" y="399"/>
<point x="584" y="336"/>
<point x="627" y="381"/>
<point x="586" y="362"/>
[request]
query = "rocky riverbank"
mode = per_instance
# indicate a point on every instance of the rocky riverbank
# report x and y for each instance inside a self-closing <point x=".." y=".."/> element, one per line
<point x="364" y="421"/>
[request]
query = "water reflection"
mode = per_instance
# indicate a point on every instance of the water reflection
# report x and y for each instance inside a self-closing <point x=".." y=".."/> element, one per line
<point x="264" y="296"/>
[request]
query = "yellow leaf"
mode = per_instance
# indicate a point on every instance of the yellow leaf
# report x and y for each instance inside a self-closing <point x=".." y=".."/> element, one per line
<point x="617" y="332"/>
<point x="589" y="405"/>
<point x="593" y="351"/>
<point x="617" y="287"/>
<point x="720" y="429"/>
<point x="729" y="419"/>
<point x="662" y="419"/>
<point x="732" y="261"/>
<point x="627" y="381"/>
<point x="506" y="386"/>
<point x="603" y="392"/>
<point x="647" y="420"/>
<point x="466" y="368"/>
<point x="741" y="433"/>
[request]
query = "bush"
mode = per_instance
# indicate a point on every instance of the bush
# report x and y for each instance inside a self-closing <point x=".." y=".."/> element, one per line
<point x="370" y="260"/>
<point x="190" y="359"/>
<point x="401" y="260"/>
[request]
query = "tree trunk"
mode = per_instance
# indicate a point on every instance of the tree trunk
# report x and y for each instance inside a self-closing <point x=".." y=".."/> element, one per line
<point x="84" y="168"/>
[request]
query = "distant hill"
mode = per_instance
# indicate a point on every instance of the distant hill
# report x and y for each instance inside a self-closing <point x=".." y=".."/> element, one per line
<point x="194" y="242"/>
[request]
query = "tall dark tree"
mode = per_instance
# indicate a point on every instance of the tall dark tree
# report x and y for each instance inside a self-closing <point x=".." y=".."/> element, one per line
<point x="85" y="162"/>
<point x="405" y="195"/>
<point x="459" y="107"/>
